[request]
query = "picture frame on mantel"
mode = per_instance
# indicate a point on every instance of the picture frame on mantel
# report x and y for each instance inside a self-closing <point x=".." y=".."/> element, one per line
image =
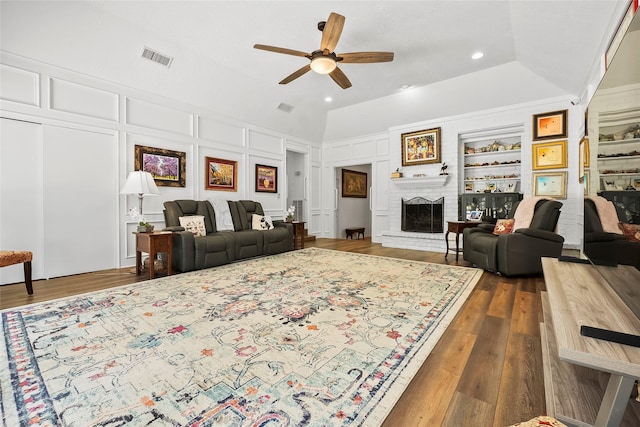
<point x="551" y="125"/>
<point x="421" y="147"/>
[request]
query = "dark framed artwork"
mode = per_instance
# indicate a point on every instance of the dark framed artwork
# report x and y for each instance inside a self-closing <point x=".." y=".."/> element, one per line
<point x="221" y="175"/>
<point x="266" y="179"/>
<point x="354" y="184"/>
<point x="166" y="166"/>
<point x="421" y="147"/>
<point x="550" y="125"/>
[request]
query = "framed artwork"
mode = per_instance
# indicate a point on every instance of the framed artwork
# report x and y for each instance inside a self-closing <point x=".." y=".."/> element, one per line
<point x="421" y="147"/>
<point x="221" y="175"/>
<point x="550" y="155"/>
<point x="550" y="184"/>
<point x="266" y="179"/>
<point x="585" y="183"/>
<point x="354" y="184"/>
<point x="584" y="158"/>
<point x="550" y="125"/>
<point x="636" y="184"/>
<point x="166" y="166"/>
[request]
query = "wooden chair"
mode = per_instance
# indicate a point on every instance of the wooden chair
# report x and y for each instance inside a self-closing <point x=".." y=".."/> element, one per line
<point x="19" y="257"/>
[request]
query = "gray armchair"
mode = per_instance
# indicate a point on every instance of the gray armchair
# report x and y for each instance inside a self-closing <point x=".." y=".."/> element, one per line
<point x="520" y="252"/>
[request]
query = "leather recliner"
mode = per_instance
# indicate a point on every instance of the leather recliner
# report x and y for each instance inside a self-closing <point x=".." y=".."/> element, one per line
<point x="601" y="246"/>
<point x="519" y="252"/>
<point x="222" y="247"/>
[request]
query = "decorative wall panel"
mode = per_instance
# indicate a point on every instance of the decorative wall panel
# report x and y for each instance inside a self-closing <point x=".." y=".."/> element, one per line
<point x="83" y="100"/>
<point x="19" y="85"/>
<point x="214" y="130"/>
<point x="154" y="116"/>
<point x="265" y="142"/>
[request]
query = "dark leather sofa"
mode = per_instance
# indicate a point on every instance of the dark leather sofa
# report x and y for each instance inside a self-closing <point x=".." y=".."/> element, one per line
<point x="192" y="252"/>
<point x="519" y="252"/>
<point x="601" y="246"/>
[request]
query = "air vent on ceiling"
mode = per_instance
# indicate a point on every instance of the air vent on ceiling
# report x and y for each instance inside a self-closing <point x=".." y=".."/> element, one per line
<point x="157" y="57"/>
<point x="285" y="107"/>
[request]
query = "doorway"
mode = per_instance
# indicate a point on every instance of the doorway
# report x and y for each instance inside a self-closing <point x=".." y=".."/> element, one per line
<point x="296" y="184"/>
<point x="353" y="212"/>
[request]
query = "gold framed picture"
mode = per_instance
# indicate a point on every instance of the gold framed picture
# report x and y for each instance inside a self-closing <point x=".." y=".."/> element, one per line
<point x="220" y="174"/>
<point x="550" y="184"/>
<point x="354" y="184"/>
<point x="550" y="125"/>
<point x="421" y="147"/>
<point x="550" y="155"/>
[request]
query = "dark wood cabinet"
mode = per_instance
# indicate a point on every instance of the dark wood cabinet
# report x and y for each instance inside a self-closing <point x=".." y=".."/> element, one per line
<point x="491" y="206"/>
<point x="627" y="204"/>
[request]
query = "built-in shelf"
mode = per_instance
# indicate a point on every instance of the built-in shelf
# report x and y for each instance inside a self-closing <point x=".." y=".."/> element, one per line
<point x="421" y="181"/>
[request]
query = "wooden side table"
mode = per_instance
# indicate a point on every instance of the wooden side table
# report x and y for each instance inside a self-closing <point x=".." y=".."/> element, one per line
<point x="298" y="234"/>
<point x="153" y="243"/>
<point x="457" y="227"/>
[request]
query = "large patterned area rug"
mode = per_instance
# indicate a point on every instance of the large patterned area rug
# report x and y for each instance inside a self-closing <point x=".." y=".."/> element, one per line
<point x="306" y="338"/>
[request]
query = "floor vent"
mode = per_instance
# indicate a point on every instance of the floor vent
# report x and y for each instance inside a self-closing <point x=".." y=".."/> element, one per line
<point x="158" y="57"/>
<point x="285" y="107"/>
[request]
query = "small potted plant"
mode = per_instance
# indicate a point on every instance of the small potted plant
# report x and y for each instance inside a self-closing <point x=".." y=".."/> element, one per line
<point x="290" y="212"/>
<point x="143" y="225"/>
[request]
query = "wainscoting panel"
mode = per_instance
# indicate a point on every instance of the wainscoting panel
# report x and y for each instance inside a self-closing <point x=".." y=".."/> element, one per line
<point x="75" y="98"/>
<point x="154" y="116"/>
<point x="363" y="150"/>
<point x="217" y="131"/>
<point x="264" y="142"/>
<point x="340" y="153"/>
<point x="19" y="85"/>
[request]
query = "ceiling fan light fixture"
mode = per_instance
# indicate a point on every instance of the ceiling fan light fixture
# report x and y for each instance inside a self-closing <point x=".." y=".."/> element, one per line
<point x="323" y="64"/>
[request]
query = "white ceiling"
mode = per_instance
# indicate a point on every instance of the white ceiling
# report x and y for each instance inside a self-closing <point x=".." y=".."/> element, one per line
<point x="216" y="67"/>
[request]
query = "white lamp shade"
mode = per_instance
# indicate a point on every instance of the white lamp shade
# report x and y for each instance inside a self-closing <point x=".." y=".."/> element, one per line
<point x="140" y="182"/>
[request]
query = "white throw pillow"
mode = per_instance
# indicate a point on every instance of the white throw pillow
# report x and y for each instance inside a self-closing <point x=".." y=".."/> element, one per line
<point x="194" y="224"/>
<point x="259" y="222"/>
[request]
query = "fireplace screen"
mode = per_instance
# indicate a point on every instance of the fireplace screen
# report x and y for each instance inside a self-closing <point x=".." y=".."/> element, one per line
<point x="422" y="215"/>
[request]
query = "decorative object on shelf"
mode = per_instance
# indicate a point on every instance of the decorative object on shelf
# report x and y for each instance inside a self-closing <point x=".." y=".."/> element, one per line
<point x="142" y="184"/>
<point x="443" y="169"/>
<point x="421" y="147"/>
<point x="550" y="184"/>
<point x="550" y="125"/>
<point x="354" y="184"/>
<point x="166" y="166"/>
<point x="220" y="174"/>
<point x="396" y="174"/>
<point x="266" y="179"/>
<point x="550" y="155"/>
<point x="290" y="213"/>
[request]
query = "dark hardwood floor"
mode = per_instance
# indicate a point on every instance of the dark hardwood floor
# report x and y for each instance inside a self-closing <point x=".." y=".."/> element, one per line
<point x="486" y="370"/>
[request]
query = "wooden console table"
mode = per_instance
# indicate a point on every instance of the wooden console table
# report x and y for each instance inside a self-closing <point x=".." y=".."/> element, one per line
<point x="574" y="365"/>
<point x="153" y="243"/>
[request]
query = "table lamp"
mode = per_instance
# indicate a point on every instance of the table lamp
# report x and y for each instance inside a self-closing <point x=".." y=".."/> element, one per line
<point x="140" y="183"/>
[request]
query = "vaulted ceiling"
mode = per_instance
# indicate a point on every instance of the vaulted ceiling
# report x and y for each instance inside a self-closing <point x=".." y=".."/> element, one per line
<point x="215" y="65"/>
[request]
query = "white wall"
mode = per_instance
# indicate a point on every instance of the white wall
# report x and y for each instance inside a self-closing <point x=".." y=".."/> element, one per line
<point x="80" y="150"/>
<point x="383" y="151"/>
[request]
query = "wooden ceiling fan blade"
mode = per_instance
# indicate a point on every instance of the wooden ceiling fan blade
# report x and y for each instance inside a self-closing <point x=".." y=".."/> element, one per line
<point x="331" y="32"/>
<point x="365" y="57"/>
<point x="280" y="50"/>
<point x="291" y="77"/>
<point x="339" y="77"/>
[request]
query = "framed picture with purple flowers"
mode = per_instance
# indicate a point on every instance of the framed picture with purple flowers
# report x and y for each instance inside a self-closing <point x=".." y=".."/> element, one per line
<point x="166" y="166"/>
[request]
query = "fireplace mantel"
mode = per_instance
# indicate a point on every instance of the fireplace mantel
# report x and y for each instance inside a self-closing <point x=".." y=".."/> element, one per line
<point x="421" y="181"/>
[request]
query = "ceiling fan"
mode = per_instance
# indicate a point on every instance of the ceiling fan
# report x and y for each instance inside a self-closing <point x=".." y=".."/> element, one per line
<point x="325" y="60"/>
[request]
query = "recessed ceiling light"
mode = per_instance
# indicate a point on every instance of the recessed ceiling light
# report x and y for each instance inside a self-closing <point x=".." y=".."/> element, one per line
<point x="477" y="55"/>
<point x="328" y="99"/>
